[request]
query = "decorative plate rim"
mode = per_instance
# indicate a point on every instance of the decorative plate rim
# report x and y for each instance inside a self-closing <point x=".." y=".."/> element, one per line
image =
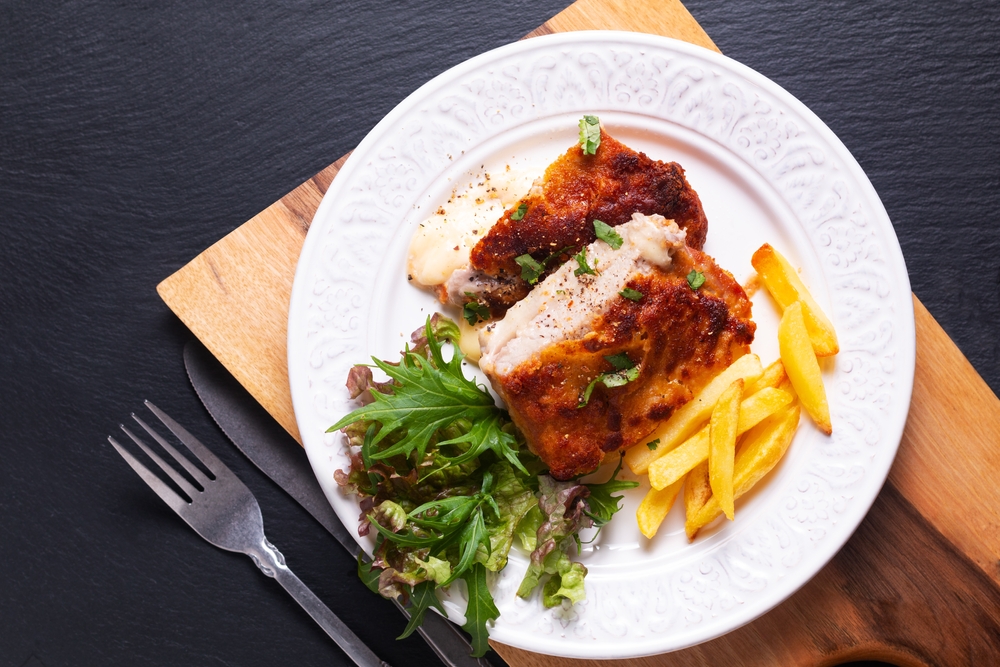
<point x="874" y="269"/>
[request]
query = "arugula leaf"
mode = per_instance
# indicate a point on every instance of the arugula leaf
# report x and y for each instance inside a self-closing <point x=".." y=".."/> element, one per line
<point x="480" y="611"/>
<point x="440" y="524"/>
<point x="696" y="279"/>
<point x="422" y="598"/>
<point x="590" y="134"/>
<point x="368" y="574"/>
<point x="519" y="213"/>
<point x="582" y="265"/>
<point x="487" y="434"/>
<point x="631" y="294"/>
<point x="472" y="537"/>
<point x="531" y="269"/>
<point x="409" y="538"/>
<point x="366" y="453"/>
<point x="429" y="395"/>
<point x="607" y="233"/>
<point x="444" y="514"/>
<point x="603" y="505"/>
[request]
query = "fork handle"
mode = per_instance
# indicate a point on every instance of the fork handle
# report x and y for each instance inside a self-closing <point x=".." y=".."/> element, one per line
<point x="272" y="563"/>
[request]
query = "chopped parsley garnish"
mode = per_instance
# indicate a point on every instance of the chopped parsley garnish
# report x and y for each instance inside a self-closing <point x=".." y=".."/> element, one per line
<point x="531" y="269"/>
<point x="620" y="361"/>
<point x="625" y="371"/>
<point x="621" y="377"/>
<point x="631" y="294"/>
<point x="607" y="233"/>
<point x="582" y="265"/>
<point x="519" y="213"/>
<point x="473" y="311"/>
<point x="590" y="134"/>
<point x="696" y="279"/>
<point x="653" y="445"/>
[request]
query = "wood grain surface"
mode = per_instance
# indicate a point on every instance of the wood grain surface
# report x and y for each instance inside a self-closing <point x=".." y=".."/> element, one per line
<point x="918" y="583"/>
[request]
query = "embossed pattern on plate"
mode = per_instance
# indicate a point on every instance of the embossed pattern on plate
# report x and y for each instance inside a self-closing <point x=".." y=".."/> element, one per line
<point x="767" y="169"/>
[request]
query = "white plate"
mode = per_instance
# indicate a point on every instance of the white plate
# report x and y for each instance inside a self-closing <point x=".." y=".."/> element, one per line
<point x="767" y="170"/>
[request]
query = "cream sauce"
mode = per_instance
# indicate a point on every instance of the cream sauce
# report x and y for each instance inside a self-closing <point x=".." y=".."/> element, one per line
<point x="442" y="243"/>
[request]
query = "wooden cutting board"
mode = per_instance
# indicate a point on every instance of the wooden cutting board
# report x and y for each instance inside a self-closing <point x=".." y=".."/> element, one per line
<point x="918" y="583"/>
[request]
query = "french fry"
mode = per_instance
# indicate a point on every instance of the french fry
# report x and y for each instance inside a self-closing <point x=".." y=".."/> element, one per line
<point x="762" y="405"/>
<point x="784" y="284"/>
<point x="673" y="465"/>
<point x="772" y="376"/>
<point x="802" y="366"/>
<point x="722" y="427"/>
<point x="655" y="507"/>
<point x="692" y="414"/>
<point x="762" y="449"/>
<point x="754" y="409"/>
<point x="697" y="492"/>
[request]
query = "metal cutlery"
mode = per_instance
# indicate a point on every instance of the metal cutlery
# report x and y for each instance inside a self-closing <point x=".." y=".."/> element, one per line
<point x="262" y="440"/>
<point x="220" y="508"/>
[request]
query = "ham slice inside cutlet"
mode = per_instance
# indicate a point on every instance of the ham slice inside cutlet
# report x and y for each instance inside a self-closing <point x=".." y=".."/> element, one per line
<point x="571" y="329"/>
<point x="555" y="219"/>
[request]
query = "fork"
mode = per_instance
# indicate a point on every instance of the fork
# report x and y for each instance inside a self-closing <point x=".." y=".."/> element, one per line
<point x="225" y="513"/>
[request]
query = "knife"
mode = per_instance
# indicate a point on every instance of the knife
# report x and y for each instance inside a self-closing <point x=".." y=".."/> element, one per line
<point x="279" y="456"/>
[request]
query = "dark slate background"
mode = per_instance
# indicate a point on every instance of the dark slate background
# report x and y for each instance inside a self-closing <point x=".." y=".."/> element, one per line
<point x="135" y="134"/>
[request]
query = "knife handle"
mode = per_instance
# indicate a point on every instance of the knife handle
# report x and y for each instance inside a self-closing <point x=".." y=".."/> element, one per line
<point x="445" y="640"/>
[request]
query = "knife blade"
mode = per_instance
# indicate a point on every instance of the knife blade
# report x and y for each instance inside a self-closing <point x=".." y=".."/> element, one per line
<point x="269" y="447"/>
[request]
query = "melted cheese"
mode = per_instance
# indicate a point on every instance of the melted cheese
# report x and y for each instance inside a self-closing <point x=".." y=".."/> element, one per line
<point x="469" y="341"/>
<point x="442" y="243"/>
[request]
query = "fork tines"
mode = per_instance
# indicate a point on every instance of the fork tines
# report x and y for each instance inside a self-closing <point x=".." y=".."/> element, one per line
<point x="198" y="479"/>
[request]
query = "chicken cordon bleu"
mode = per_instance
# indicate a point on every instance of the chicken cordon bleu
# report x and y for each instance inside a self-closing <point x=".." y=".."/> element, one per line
<point x="554" y="220"/>
<point x="591" y="362"/>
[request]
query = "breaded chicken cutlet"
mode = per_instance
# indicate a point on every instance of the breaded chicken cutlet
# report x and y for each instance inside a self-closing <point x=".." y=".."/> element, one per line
<point x="592" y="363"/>
<point x="555" y="219"/>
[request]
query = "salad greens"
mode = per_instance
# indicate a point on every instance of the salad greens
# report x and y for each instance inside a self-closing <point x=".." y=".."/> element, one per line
<point x="446" y="482"/>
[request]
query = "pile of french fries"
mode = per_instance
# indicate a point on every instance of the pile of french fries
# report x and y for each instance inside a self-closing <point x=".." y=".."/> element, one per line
<point x="726" y="439"/>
